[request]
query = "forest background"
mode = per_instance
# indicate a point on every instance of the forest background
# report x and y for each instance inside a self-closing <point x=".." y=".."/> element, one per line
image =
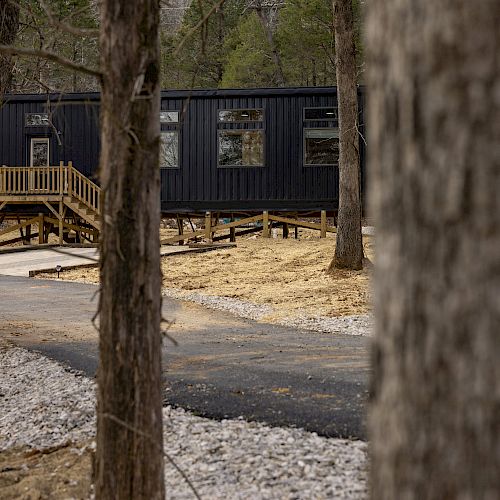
<point x="204" y="44"/>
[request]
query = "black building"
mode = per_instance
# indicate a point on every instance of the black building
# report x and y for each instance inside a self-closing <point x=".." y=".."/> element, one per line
<point x="221" y="150"/>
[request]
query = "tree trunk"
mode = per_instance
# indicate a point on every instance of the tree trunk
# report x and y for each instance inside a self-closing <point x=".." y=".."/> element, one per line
<point x="434" y="122"/>
<point x="268" y="30"/>
<point x="349" y="244"/>
<point x="9" y="25"/>
<point x="129" y="458"/>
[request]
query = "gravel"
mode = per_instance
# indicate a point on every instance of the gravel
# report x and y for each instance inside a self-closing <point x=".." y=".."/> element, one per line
<point x="43" y="404"/>
<point x="344" y="325"/>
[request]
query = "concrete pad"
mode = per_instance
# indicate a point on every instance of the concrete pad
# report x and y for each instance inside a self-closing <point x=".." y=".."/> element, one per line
<point x="21" y="263"/>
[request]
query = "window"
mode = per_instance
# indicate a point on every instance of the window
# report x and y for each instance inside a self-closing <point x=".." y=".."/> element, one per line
<point x="169" y="139"/>
<point x="241" y="138"/>
<point x="37" y="120"/>
<point x="169" y="117"/>
<point x="240" y="115"/>
<point x="40" y="152"/>
<point x="320" y="114"/>
<point x="169" y="149"/>
<point x="321" y="146"/>
<point x="241" y="148"/>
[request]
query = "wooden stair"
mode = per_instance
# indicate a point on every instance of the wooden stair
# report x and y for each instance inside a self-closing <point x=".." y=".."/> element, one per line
<point x="58" y="189"/>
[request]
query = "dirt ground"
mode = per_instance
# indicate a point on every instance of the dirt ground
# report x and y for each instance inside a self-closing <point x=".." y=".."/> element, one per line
<point x="289" y="275"/>
<point x="56" y="474"/>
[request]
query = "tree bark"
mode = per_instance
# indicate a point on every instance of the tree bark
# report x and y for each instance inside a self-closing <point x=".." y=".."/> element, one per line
<point x="434" y="122"/>
<point x="129" y="457"/>
<point x="9" y="25"/>
<point x="349" y="243"/>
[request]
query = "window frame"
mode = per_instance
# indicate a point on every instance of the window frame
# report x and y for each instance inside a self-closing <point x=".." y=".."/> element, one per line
<point x="332" y="119"/>
<point x="241" y="126"/>
<point x="219" y="121"/>
<point x="235" y="131"/>
<point x="40" y="125"/>
<point x="307" y="165"/>
<point x="34" y="140"/>
<point x="177" y="134"/>
<point x="171" y="127"/>
<point x="170" y="111"/>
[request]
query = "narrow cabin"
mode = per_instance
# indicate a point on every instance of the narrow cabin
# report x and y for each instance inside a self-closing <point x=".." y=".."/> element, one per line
<point x="222" y="151"/>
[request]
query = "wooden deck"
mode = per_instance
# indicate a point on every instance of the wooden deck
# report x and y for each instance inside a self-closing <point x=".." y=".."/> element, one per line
<point x="54" y="199"/>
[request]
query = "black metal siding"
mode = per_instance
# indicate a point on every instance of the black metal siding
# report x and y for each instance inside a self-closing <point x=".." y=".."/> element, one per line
<point x="283" y="182"/>
<point x="76" y="124"/>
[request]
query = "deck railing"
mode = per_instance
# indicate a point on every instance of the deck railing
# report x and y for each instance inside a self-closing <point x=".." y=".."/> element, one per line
<point x="62" y="180"/>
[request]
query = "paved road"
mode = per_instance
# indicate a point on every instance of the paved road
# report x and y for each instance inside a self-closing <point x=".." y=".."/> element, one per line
<point x="224" y="366"/>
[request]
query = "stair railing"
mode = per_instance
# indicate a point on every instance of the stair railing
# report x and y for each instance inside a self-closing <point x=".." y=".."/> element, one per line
<point x="62" y="180"/>
<point x="83" y="189"/>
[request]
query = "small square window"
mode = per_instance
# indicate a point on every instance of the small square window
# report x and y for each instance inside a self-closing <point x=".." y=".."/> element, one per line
<point x="169" y="117"/>
<point x="321" y="146"/>
<point x="169" y="149"/>
<point x="241" y="148"/>
<point x="37" y="120"/>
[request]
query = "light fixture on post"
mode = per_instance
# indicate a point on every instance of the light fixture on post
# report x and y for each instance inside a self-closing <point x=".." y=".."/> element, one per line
<point x="58" y="269"/>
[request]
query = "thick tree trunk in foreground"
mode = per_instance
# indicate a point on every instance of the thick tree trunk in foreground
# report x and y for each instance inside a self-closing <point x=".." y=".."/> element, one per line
<point x="434" y="121"/>
<point x="9" y="25"/>
<point x="349" y="245"/>
<point x="129" y="459"/>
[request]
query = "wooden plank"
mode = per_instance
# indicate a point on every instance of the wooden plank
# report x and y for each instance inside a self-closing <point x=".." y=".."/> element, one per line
<point x="52" y="209"/>
<point x="220" y="227"/>
<point x="301" y="223"/>
<point x="3" y="204"/>
<point x="75" y="227"/>
<point x="18" y="226"/>
<point x="17" y="240"/>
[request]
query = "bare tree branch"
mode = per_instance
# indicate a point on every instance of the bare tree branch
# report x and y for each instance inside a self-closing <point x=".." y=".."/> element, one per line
<point x="195" y="28"/>
<point x="50" y="56"/>
<point x="68" y="28"/>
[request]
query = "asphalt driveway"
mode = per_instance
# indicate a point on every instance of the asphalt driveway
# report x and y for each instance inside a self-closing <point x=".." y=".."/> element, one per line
<point x="223" y="367"/>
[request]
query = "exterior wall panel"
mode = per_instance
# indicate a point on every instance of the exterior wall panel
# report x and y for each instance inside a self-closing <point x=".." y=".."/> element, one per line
<point x="198" y="184"/>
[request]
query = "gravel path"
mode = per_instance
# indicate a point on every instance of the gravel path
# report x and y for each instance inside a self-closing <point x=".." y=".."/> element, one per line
<point x="43" y="404"/>
<point x="346" y="325"/>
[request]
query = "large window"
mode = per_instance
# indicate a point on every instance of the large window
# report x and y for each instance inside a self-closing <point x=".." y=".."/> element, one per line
<point x="169" y="139"/>
<point x="169" y="149"/>
<point x="321" y="137"/>
<point x="321" y="146"/>
<point x="40" y="152"/>
<point x="241" y="138"/>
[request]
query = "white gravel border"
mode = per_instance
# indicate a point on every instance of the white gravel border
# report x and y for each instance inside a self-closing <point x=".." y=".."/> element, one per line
<point x="342" y="325"/>
<point x="43" y="404"/>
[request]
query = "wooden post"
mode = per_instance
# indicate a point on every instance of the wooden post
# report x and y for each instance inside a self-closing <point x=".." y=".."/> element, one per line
<point x="28" y="234"/>
<point x="265" y="224"/>
<point x="296" y="233"/>
<point x="323" y="224"/>
<point x="180" y="227"/>
<point x="61" y="177"/>
<point x="286" y="230"/>
<point x="232" y="231"/>
<point x="208" y="226"/>
<point x="61" y="215"/>
<point x="41" y="229"/>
